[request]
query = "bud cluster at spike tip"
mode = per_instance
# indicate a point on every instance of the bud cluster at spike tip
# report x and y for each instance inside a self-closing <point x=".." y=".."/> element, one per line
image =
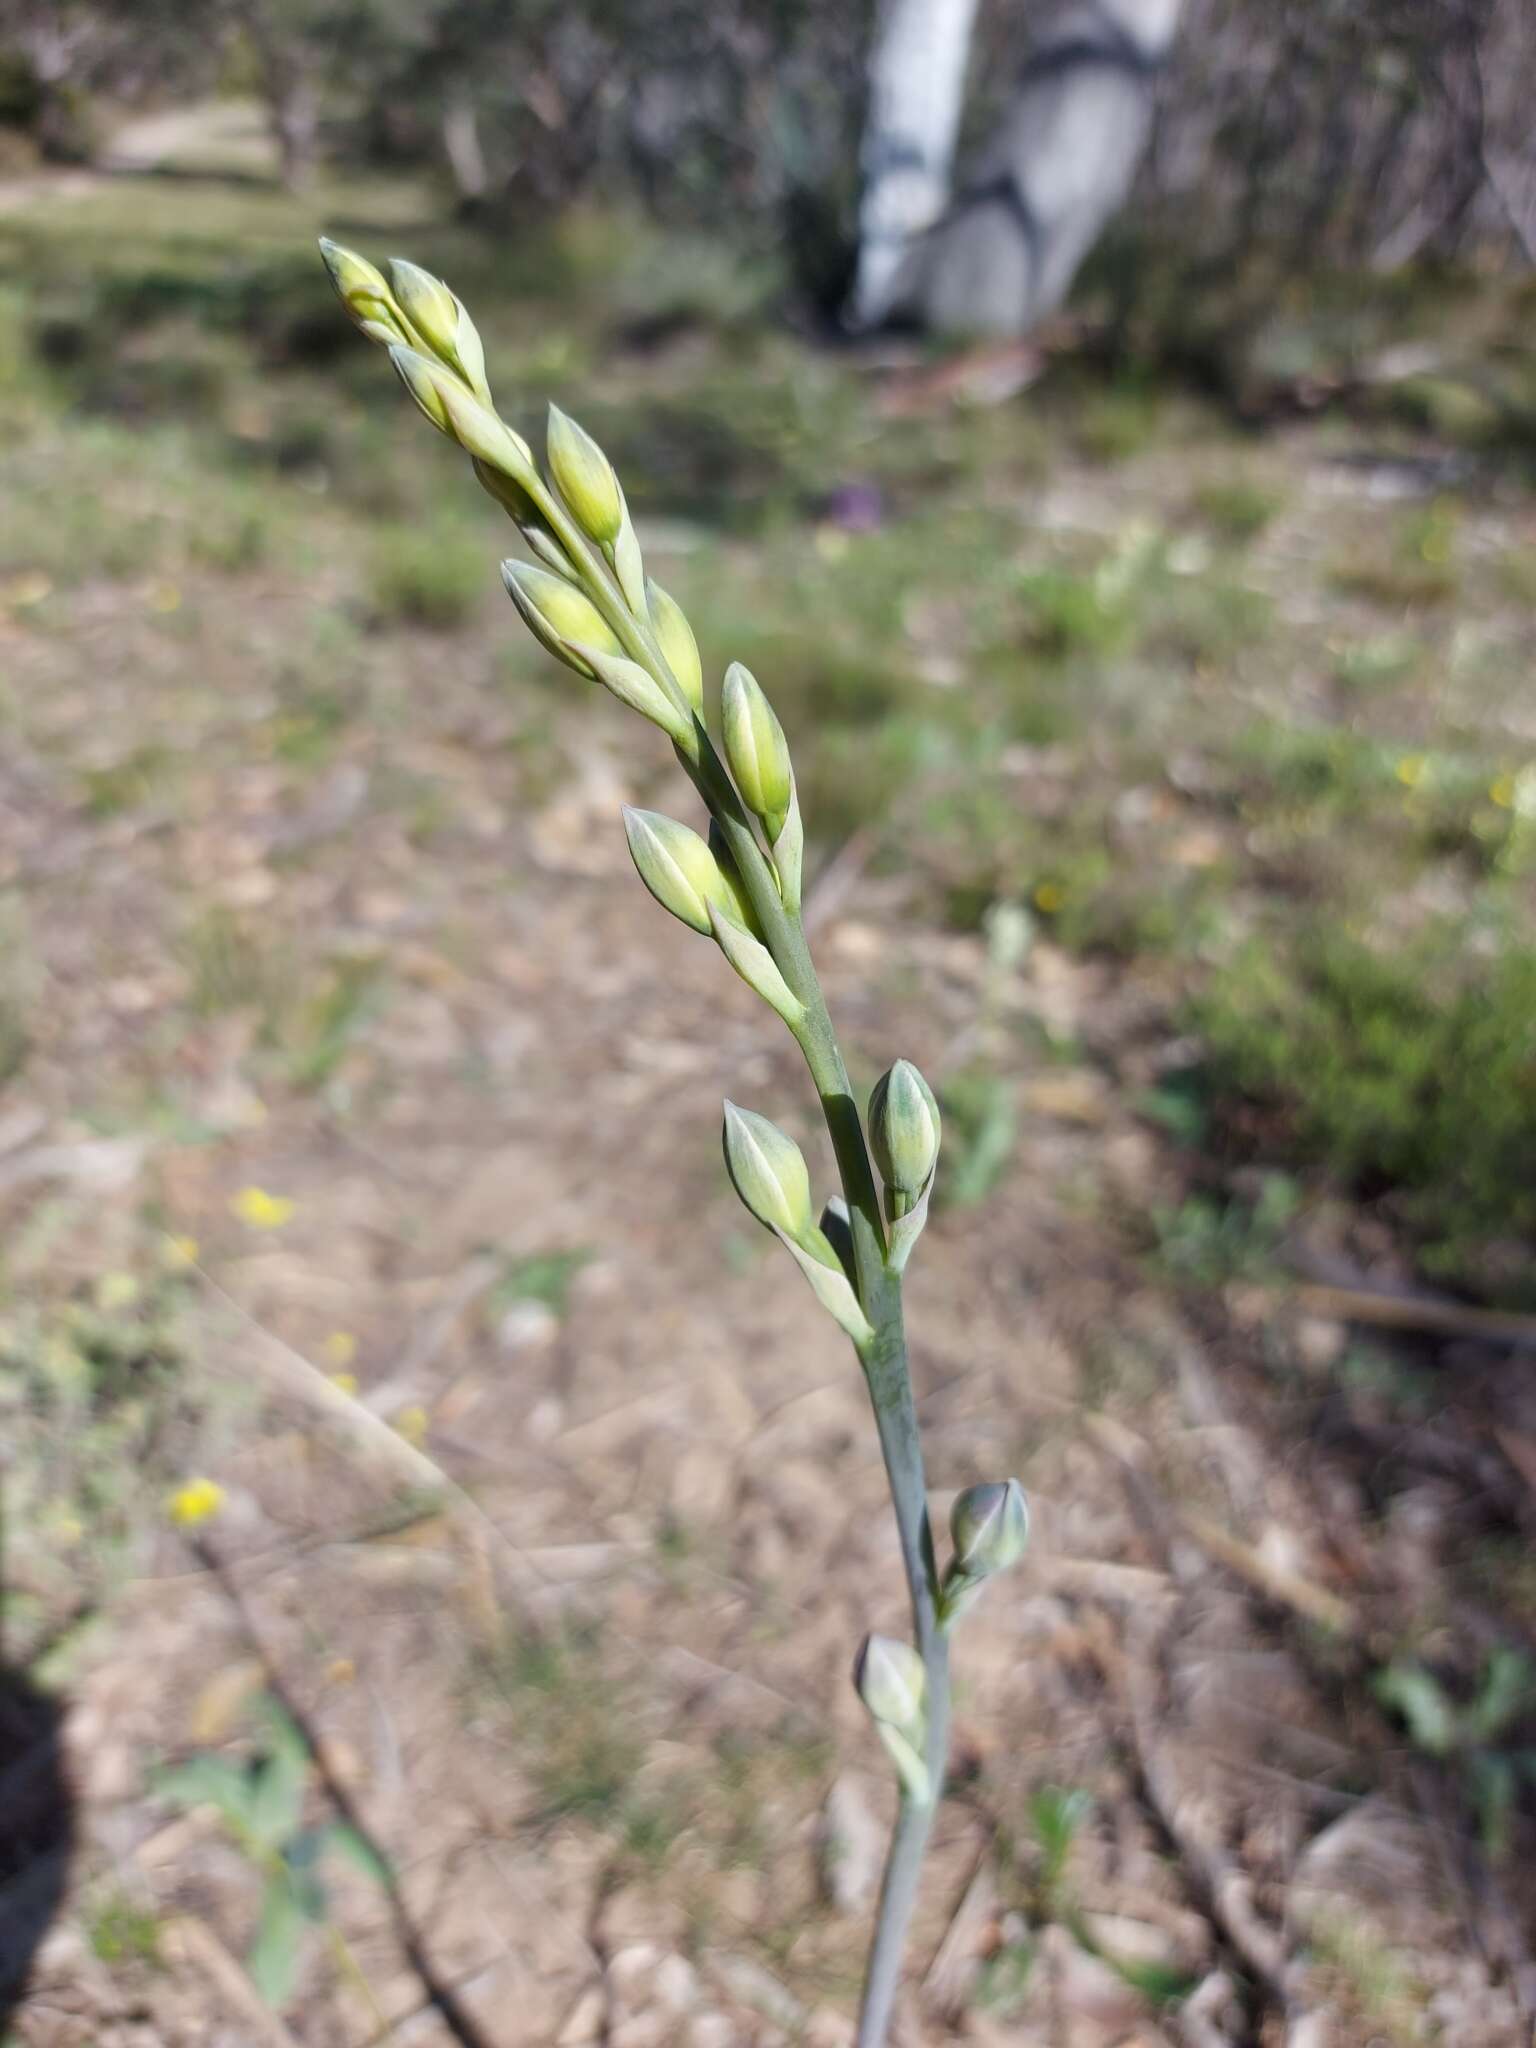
<point x="904" y="1130"/>
<point x="365" y="292"/>
<point x="769" y="1172"/>
<point x="584" y="477"/>
<point x="756" y="749"/>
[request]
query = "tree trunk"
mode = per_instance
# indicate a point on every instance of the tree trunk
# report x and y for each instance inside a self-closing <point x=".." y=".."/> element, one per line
<point x="1056" y="168"/>
<point x="916" y="95"/>
<point x="462" y="147"/>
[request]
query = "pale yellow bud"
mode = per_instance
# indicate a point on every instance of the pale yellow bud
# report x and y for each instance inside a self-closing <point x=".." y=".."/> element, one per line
<point x="557" y="613"/>
<point x="584" y="477"/>
<point x="756" y="749"/>
<point x="429" y="306"/>
<point x="675" y="637"/>
<point x="677" y="867"/>
<point x="364" y="291"/>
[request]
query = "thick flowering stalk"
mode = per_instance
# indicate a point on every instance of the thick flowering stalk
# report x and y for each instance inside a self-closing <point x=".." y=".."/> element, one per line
<point x="586" y="598"/>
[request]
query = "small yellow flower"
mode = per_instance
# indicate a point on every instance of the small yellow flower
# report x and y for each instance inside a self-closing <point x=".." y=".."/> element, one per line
<point x="195" y="1502"/>
<point x="340" y="1348"/>
<point x="181" y="1251"/>
<point x="1502" y="791"/>
<point x="344" y="1382"/>
<point x="412" y="1424"/>
<point x="163" y="597"/>
<point x="29" y="588"/>
<point x="116" y="1290"/>
<point x="261" y="1210"/>
<point x="1049" y="896"/>
<point x="1410" y="770"/>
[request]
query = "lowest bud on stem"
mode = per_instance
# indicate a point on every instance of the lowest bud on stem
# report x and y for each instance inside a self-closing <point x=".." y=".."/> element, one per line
<point x="769" y="1173"/>
<point x="889" y="1678"/>
<point x="904" y="1132"/>
<point x="756" y="749"/>
<point x="584" y="477"/>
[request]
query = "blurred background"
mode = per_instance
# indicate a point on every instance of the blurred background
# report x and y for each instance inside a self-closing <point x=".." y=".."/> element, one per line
<point x="436" y="1528"/>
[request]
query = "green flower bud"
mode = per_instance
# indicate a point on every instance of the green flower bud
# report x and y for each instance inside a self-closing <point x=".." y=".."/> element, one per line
<point x="756" y="749"/>
<point x="904" y="1130"/>
<point x="424" y="380"/>
<point x="429" y="306"/>
<point x="462" y="418"/>
<point x="584" y="477"/>
<point x="990" y="1528"/>
<point x="890" y="1680"/>
<point x="675" y="637"/>
<point x="769" y="1173"/>
<point x="365" y="293"/>
<point x="639" y="689"/>
<point x="677" y="867"/>
<point x="557" y="613"/>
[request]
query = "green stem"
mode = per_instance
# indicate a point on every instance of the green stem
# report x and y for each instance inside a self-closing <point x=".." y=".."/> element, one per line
<point x="884" y="1357"/>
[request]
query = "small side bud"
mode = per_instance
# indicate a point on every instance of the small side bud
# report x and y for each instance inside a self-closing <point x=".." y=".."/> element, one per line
<point x="769" y="1173"/>
<point x="584" y="477"/>
<point x="675" y="637"/>
<point x="364" y="291"/>
<point x="676" y="866"/>
<point x="756" y="749"/>
<point x="904" y="1133"/>
<point x="889" y="1678"/>
<point x="558" y="614"/>
<point x="990" y="1528"/>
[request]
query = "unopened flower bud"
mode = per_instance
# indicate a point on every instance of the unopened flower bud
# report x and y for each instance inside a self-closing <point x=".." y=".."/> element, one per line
<point x="557" y="613"/>
<point x="756" y="749"/>
<point x="454" y="412"/>
<point x="584" y="476"/>
<point x="429" y="306"/>
<point x="892" y="1683"/>
<point x="990" y="1528"/>
<point x="677" y="867"/>
<point x="904" y="1130"/>
<point x="365" y="293"/>
<point x="768" y="1171"/>
<point x="675" y="637"/>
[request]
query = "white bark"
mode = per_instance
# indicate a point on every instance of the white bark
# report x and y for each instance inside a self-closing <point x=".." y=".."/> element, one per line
<point x="916" y="95"/>
<point x="1058" y="166"/>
